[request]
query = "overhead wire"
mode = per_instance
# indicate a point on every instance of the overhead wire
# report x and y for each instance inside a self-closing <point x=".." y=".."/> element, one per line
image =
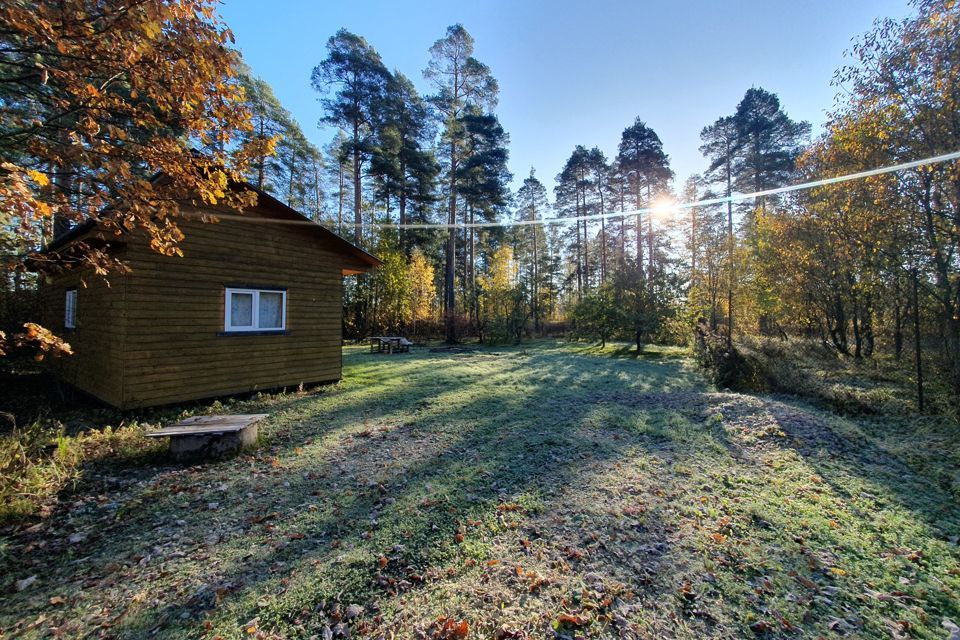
<point x="675" y="206"/>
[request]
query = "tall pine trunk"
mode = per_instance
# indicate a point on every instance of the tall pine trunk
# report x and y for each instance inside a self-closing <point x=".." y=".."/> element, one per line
<point x="576" y="193"/>
<point x="357" y="186"/>
<point x="340" y="199"/>
<point x="639" y="205"/>
<point x="449" y="298"/>
<point x="402" y="198"/>
<point x="650" y="241"/>
<point x="535" y="307"/>
<point x="730" y="249"/>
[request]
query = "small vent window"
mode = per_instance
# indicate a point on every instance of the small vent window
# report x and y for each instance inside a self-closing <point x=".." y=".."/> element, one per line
<point x="70" y="310"/>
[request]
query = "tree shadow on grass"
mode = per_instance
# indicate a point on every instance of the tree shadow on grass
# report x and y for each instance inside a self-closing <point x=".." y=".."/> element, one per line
<point x="457" y="448"/>
<point x="360" y="494"/>
<point x="831" y="451"/>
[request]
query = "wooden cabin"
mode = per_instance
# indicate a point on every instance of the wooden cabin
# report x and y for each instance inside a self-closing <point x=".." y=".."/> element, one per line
<point x="255" y="303"/>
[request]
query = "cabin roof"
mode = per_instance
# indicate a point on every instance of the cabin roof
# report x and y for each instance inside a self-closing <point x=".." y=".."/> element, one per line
<point x="270" y="204"/>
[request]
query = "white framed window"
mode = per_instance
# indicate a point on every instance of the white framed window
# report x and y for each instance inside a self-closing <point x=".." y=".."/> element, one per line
<point x="70" y="310"/>
<point x="255" y="310"/>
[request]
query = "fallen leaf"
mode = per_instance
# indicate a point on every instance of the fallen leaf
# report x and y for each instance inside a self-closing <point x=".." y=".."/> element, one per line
<point x="761" y="627"/>
<point x="449" y="629"/>
<point x="571" y="620"/>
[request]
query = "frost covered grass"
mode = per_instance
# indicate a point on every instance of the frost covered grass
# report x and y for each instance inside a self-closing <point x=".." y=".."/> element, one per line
<point x="547" y="490"/>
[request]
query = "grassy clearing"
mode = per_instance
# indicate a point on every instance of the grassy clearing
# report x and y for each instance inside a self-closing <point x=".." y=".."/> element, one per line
<point x="540" y="491"/>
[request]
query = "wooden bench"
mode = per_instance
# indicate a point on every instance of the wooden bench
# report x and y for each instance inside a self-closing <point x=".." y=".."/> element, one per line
<point x="210" y="436"/>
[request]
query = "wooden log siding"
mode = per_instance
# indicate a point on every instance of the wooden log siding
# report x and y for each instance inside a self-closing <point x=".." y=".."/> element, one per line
<point x="97" y="340"/>
<point x="166" y="342"/>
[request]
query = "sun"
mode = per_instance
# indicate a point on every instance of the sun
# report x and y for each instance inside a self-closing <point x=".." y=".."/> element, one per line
<point x="664" y="208"/>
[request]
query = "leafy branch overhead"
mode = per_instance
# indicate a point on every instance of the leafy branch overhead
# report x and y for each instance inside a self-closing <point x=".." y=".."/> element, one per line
<point x="97" y="99"/>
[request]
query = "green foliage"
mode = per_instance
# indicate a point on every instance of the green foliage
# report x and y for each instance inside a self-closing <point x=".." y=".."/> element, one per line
<point x="391" y="296"/>
<point x="358" y="77"/>
<point x="41" y="460"/>
<point x="503" y="303"/>
<point x="403" y="164"/>
<point x="597" y="316"/>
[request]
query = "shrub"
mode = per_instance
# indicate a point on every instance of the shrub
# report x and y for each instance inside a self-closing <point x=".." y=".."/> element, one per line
<point x="41" y="459"/>
<point x="726" y="366"/>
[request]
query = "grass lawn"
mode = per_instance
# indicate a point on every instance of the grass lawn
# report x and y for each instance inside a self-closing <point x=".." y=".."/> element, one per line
<point x="547" y="491"/>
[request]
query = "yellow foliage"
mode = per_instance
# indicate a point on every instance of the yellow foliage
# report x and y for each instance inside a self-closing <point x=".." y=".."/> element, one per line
<point x="163" y="66"/>
<point x="39" y="178"/>
<point x="421" y="287"/>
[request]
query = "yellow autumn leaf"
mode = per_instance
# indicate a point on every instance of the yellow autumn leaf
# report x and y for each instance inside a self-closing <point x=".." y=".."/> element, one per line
<point x="152" y="29"/>
<point x="40" y="178"/>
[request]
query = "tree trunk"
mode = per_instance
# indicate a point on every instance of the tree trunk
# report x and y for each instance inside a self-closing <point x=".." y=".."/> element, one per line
<point x="603" y="251"/>
<point x="402" y="197"/>
<point x="586" y="256"/>
<point x="474" y="299"/>
<point x="918" y="357"/>
<point x="603" y="233"/>
<point x="535" y="299"/>
<point x="261" y="161"/>
<point x="650" y="240"/>
<point x="576" y="193"/>
<point x="730" y="253"/>
<point x="449" y="297"/>
<point x="639" y="227"/>
<point x="340" y="198"/>
<point x="897" y="324"/>
<point x="857" y="338"/>
<point x="357" y="187"/>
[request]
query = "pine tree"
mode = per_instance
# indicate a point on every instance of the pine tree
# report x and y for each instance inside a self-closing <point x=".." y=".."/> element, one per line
<point x="571" y="196"/>
<point x="359" y="77"/>
<point x="338" y="172"/>
<point x="769" y="142"/>
<point x="483" y="180"/>
<point x="405" y="165"/>
<point x="531" y="242"/>
<point x="598" y="176"/>
<point x="647" y="171"/>
<point x="461" y="82"/>
<point x="270" y="121"/>
<point x="721" y="146"/>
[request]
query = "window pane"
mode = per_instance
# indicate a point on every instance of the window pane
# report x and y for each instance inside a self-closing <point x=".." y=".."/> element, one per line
<point x="271" y="310"/>
<point x="70" y="315"/>
<point x="241" y="310"/>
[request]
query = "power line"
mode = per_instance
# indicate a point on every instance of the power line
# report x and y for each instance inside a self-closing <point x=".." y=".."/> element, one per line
<point x="736" y="197"/>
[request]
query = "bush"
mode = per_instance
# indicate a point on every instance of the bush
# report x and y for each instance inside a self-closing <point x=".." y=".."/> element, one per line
<point x="40" y="460"/>
<point x="725" y="365"/>
<point x="597" y="316"/>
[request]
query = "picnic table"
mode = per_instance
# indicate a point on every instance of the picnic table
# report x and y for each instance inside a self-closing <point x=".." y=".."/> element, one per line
<point x="389" y="344"/>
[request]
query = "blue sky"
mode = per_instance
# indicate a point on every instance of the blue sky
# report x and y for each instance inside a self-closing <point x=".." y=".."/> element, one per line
<point x="579" y="72"/>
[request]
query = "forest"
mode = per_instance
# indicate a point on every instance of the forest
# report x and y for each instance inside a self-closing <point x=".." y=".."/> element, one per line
<point x="837" y="264"/>
<point x="607" y="249"/>
<point x="868" y="269"/>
